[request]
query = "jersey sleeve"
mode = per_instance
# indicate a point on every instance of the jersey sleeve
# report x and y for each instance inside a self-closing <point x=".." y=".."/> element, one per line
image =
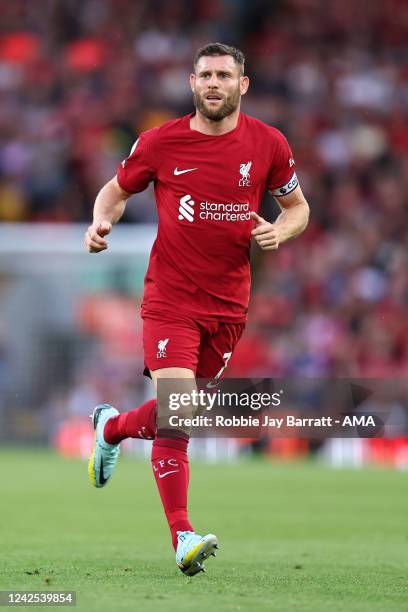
<point x="282" y="177"/>
<point x="139" y="169"/>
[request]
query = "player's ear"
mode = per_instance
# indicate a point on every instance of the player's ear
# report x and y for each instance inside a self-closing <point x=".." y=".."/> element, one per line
<point x="192" y="81"/>
<point x="244" y="84"/>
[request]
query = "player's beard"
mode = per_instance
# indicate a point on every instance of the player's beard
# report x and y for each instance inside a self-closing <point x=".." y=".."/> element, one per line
<point x="229" y="105"/>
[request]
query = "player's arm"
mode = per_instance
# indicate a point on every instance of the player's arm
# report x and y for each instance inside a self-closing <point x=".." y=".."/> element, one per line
<point x="291" y="222"/>
<point x="133" y="176"/>
<point x="109" y="206"/>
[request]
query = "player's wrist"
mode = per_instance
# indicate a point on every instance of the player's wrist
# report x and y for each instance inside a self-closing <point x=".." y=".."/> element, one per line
<point x="103" y="221"/>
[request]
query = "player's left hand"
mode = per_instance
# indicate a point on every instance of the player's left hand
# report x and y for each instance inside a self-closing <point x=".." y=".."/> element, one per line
<point x="266" y="234"/>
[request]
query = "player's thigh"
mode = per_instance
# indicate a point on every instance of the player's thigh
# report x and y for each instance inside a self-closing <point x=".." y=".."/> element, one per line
<point x="174" y="389"/>
<point x="216" y="350"/>
<point x="171" y="346"/>
<point x="183" y="374"/>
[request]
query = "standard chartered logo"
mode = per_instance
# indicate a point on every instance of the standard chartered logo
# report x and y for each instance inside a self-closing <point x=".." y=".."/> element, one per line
<point x="213" y="211"/>
<point x="219" y="211"/>
<point x="186" y="209"/>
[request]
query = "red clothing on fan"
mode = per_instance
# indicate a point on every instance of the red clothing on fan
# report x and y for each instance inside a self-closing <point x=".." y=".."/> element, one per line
<point x="205" y="187"/>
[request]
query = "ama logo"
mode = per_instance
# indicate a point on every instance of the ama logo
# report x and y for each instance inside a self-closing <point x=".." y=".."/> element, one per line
<point x="186" y="210"/>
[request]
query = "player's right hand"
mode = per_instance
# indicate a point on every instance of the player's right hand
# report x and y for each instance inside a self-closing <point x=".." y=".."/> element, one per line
<point x="94" y="236"/>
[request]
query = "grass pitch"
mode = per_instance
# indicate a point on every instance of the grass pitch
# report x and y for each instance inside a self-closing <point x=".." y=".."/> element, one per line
<point x="293" y="537"/>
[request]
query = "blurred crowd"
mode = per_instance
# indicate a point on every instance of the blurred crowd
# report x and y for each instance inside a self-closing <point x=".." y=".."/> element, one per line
<point x="79" y="79"/>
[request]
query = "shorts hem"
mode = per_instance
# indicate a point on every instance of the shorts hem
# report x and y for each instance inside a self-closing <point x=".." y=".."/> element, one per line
<point x="171" y="364"/>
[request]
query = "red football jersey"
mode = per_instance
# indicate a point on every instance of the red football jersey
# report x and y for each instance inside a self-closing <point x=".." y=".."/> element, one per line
<point x="205" y="187"/>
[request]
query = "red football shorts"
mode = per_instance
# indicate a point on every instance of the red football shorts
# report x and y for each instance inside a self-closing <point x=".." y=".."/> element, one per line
<point x="177" y="341"/>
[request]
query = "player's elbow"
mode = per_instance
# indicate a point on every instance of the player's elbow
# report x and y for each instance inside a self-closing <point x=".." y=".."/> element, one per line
<point x="301" y="213"/>
<point x="305" y="215"/>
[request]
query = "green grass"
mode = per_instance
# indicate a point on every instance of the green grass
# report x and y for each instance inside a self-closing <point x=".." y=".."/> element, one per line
<point x="293" y="537"/>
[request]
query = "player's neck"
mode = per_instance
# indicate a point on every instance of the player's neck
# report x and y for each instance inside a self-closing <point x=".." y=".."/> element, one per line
<point x="200" y="123"/>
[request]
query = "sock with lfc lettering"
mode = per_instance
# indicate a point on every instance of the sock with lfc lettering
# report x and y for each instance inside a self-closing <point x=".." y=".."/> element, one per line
<point x="137" y="423"/>
<point x="171" y="471"/>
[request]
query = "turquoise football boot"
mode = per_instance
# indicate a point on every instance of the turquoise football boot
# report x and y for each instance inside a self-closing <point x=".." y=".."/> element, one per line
<point x="193" y="550"/>
<point x="104" y="456"/>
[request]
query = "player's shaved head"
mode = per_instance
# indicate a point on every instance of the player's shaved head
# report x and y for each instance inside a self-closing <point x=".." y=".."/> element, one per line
<point x="219" y="49"/>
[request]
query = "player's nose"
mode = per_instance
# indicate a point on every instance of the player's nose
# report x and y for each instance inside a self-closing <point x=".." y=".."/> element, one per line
<point x="213" y="82"/>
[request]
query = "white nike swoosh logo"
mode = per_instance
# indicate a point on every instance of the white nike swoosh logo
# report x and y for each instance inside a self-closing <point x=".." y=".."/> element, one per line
<point x="177" y="171"/>
<point x="167" y="473"/>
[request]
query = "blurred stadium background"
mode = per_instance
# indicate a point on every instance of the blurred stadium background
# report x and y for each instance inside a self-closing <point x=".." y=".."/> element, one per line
<point x="79" y="79"/>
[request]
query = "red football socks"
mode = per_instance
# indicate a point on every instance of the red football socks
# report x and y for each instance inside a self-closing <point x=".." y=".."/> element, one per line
<point x="169" y="460"/>
<point x="137" y="423"/>
<point x="171" y="471"/>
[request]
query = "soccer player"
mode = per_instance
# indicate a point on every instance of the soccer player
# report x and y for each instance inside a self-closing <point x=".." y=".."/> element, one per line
<point x="210" y="170"/>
